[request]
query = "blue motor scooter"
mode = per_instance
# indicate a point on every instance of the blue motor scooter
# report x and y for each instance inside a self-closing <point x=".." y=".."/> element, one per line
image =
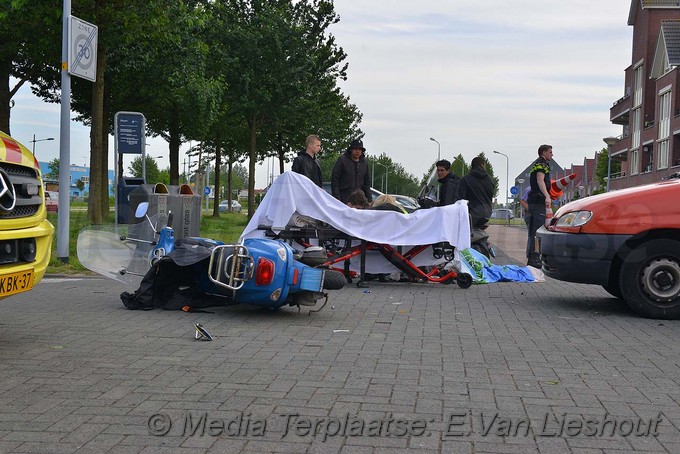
<point x="261" y="272"/>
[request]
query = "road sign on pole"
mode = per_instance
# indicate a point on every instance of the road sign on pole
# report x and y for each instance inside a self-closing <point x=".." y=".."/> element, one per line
<point x="82" y="57"/>
<point x="514" y="190"/>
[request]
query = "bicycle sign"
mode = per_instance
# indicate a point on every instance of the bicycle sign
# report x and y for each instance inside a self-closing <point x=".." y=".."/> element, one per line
<point x="82" y="56"/>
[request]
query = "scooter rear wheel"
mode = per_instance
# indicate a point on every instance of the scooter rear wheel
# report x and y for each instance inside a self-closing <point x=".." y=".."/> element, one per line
<point x="333" y="280"/>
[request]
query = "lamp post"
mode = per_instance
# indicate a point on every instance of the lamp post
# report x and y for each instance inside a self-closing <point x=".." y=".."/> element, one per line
<point x="610" y="141"/>
<point x="38" y="140"/>
<point x="507" y="173"/>
<point x="439" y="148"/>
<point x="520" y="194"/>
<point x="387" y="172"/>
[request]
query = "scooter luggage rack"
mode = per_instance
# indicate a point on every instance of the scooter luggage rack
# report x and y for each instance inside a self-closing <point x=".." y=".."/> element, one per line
<point x="237" y="266"/>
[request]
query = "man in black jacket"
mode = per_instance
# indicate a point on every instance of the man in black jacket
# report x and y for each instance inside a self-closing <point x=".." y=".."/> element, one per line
<point x="350" y="173"/>
<point x="306" y="163"/>
<point x="449" y="183"/>
<point x="477" y="188"/>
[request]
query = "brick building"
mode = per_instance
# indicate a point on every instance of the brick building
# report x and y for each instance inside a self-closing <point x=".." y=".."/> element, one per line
<point x="649" y="110"/>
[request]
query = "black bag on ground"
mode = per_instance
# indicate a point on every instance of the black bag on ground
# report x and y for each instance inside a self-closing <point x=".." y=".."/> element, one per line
<point x="174" y="286"/>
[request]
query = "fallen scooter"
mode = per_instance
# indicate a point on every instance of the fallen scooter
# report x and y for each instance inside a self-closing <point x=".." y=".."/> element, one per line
<point x="193" y="273"/>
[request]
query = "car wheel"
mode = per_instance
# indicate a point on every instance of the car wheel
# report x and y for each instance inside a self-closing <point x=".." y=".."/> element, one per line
<point x="650" y="279"/>
<point x="613" y="289"/>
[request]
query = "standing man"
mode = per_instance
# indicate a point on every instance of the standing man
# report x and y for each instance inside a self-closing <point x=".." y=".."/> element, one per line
<point x="524" y="201"/>
<point x="306" y="163"/>
<point x="477" y="188"/>
<point x="539" y="199"/>
<point x="350" y="173"/>
<point x="449" y="183"/>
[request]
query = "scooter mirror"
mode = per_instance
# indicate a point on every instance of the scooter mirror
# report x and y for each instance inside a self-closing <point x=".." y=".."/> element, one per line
<point x="141" y="210"/>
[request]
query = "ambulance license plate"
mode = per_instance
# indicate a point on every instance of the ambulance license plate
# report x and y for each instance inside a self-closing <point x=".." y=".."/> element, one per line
<point x="16" y="282"/>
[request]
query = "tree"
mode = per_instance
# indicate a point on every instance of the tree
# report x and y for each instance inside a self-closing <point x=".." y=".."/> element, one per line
<point x="283" y="51"/>
<point x="152" y="171"/>
<point x="601" y="166"/>
<point x="53" y="167"/>
<point x="25" y="54"/>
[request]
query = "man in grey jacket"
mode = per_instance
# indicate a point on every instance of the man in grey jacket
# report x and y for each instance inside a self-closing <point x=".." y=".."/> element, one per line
<point x="350" y="173"/>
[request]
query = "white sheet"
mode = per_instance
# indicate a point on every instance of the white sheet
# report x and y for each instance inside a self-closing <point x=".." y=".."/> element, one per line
<point x="294" y="193"/>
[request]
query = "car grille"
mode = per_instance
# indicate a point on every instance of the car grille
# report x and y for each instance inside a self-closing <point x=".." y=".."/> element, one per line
<point x="26" y="205"/>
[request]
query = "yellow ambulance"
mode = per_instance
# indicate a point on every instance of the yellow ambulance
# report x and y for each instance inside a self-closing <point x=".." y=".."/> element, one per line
<point x="25" y="232"/>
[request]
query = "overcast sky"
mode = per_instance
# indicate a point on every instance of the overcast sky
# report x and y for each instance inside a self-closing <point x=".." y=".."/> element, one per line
<point x="476" y="76"/>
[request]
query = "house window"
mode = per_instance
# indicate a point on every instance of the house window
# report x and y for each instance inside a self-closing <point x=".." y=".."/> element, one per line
<point x="634" y="161"/>
<point x="664" y="130"/>
<point x="637" y="93"/>
<point x="85" y="179"/>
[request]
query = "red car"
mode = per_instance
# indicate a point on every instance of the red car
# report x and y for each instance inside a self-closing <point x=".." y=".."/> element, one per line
<point x="627" y="241"/>
<point x="52" y="201"/>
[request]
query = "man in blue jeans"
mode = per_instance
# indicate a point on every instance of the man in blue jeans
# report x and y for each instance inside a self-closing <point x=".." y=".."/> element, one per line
<point x="539" y="199"/>
<point x="524" y="202"/>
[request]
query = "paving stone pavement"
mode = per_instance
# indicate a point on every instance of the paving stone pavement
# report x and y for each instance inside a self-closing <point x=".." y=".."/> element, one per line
<point x="509" y="367"/>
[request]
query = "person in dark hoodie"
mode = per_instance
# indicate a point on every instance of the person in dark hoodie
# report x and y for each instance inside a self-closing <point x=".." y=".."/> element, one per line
<point x="350" y="173"/>
<point x="449" y="183"/>
<point x="477" y="188"/>
<point x="305" y="162"/>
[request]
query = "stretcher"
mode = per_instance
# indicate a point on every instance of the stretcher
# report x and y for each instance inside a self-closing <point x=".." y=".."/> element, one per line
<point x="420" y="245"/>
<point x="344" y="247"/>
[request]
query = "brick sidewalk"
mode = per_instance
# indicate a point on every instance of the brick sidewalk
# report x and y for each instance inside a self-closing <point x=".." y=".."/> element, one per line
<point x="507" y="367"/>
<point x="511" y="240"/>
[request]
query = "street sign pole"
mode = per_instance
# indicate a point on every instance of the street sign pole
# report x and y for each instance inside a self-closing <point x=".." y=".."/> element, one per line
<point x="130" y="137"/>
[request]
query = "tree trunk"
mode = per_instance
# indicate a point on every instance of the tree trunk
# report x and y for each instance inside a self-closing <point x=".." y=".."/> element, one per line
<point x="97" y="163"/>
<point x="281" y="152"/>
<point x="174" y="143"/>
<point x="252" y="154"/>
<point x="218" y="166"/>
<point x="4" y="96"/>
<point x="106" y="122"/>
<point x="230" y="166"/>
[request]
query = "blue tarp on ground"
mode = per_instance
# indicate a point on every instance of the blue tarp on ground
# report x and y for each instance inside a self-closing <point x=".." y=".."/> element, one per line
<point x="485" y="272"/>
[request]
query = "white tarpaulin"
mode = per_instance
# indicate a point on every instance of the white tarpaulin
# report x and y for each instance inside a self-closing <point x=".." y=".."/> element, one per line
<point x="293" y="193"/>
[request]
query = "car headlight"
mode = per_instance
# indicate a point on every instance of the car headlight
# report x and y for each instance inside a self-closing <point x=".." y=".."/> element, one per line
<point x="574" y="219"/>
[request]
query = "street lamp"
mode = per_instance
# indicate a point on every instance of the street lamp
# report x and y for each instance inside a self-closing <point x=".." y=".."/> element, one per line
<point x="520" y="182"/>
<point x="38" y="140"/>
<point x="439" y="155"/>
<point x="507" y="173"/>
<point x="610" y="141"/>
<point x="387" y="172"/>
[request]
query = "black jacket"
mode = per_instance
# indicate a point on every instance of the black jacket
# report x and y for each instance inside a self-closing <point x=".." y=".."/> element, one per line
<point x="350" y="175"/>
<point x="305" y="165"/>
<point x="477" y="188"/>
<point x="448" y="189"/>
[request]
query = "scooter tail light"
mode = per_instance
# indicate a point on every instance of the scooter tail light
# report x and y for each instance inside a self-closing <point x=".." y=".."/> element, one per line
<point x="264" y="272"/>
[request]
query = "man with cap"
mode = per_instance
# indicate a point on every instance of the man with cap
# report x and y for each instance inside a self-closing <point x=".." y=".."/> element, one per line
<point x="350" y="173"/>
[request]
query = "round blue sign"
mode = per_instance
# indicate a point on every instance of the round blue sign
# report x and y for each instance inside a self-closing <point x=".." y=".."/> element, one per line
<point x="514" y="190"/>
<point x="206" y="190"/>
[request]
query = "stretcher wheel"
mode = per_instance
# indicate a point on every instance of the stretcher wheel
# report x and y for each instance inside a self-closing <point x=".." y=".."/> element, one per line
<point x="464" y="280"/>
